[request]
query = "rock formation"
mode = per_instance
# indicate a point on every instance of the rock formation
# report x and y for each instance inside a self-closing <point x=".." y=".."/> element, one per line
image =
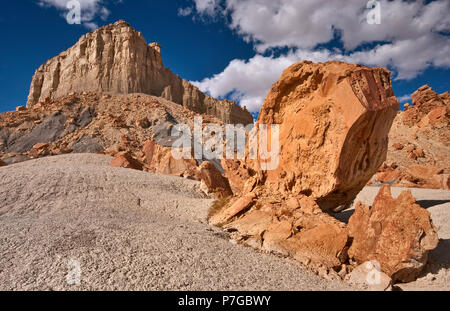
<point x="397" y="233"/>
<point x="125" y="160"/>
<point x="420" y="137"/>
<point x="116" y="59"/>
<point x="334" y="121"/>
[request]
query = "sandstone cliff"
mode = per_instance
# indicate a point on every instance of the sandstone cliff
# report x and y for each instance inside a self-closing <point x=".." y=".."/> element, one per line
<point x="116" y="59"/>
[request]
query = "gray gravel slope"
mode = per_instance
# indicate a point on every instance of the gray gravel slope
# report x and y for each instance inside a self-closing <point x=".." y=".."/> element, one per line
<point x="129" y="230"/>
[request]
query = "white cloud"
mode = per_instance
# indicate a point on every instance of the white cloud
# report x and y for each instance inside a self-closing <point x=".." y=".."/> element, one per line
<point x="249" y="81"/>
<point x="90" y="10"/>
<point x="409" y="38"/>
<point x="208" y="7"/>
<point x="185" y="12"/>
<point x="404" y="98"/>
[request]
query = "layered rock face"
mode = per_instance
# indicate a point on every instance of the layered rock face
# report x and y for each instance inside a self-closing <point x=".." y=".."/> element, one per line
<point x="116" y="59"/>
<point x="334" y="119"/>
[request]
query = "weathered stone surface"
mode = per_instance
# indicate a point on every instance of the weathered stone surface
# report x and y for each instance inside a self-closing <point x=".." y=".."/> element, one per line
<point x="297" y="228"/>
<point x="424" y="130"/>
<point x="368" y="275"/>
<point x="236" y="174"/>
<point x="334" y="122"/>
<point x="398" y="233"/>
<point x="428" y="108"/>
<point x="125" y="160"/>
<point x="117" y="59"/>
<point x="388" y="175"/>
<point x="398" y="146"/>
<point x="322" y="244"/>
<point x="159" y="159"/>
<point x="2" y="163"/>
<point x="239" y="206"/>
<point x="213" y="181"/>
<point x="425" y="175"/>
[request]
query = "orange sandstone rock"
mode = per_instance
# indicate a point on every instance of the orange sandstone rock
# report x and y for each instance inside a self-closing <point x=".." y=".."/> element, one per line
<point x="398" y="233"/>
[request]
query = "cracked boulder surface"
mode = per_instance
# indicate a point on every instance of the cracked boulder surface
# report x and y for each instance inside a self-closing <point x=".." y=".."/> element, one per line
<point x="334" y="119"/>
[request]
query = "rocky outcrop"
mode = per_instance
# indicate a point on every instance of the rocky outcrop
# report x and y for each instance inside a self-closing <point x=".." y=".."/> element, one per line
<point x="428" y="108"/>
<point x="212" y="180"/>
<point x="397" y="233"/>
<point x="420" y="136"/>
<point x="334" y="119"/>
<point x="116" y="59"/>
<point x="159" y="159"/>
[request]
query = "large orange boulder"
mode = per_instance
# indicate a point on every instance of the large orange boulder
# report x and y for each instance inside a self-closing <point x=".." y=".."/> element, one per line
<point x="334" y="119"/>
<point x="397" y="233"/>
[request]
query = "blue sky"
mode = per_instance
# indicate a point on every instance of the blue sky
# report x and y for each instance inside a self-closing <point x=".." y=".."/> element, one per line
<point x="237" y="49"/>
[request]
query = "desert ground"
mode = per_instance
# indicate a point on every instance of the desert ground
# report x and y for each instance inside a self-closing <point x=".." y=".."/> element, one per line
<point x="132" y="230"/>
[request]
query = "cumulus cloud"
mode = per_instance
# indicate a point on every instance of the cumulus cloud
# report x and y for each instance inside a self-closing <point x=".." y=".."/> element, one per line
<point x="90" y="10"/>
<point x="249" y="81"/>
<point x="185" y="12"/>
<point x="412" y="36"/>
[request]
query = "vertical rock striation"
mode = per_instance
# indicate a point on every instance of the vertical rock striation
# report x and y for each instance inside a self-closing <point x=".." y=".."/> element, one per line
<point x="116" y="59"/>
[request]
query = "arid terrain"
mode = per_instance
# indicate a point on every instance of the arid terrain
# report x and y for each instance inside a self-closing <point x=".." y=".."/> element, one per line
<point x="88" y="176"/>
<point x="129" y="230"/>
<point x="132" y="230"/>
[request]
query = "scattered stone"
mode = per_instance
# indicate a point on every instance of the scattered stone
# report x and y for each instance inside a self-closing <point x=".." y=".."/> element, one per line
<point x="419" y="153"/>
<point x="125" y="160"/>
<point x="398" y="146"/>
<point x="40" y="146"/>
